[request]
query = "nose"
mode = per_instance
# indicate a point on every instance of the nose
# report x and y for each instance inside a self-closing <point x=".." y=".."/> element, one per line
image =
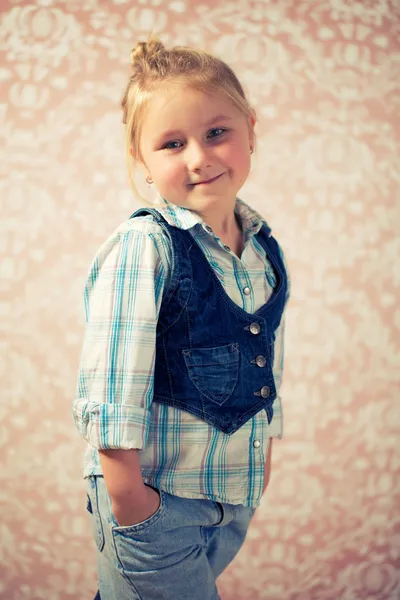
<point x="198" y="157"/>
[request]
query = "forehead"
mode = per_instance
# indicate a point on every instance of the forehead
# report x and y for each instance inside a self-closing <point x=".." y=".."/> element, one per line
<point x="178" y="107"/>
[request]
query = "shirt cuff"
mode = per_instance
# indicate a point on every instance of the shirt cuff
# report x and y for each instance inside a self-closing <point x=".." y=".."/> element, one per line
<point x="111" y="426"/>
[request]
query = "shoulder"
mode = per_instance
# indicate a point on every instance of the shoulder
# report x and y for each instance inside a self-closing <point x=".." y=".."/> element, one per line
<point x="140" y="226"/>
<point x="138" y="239"/>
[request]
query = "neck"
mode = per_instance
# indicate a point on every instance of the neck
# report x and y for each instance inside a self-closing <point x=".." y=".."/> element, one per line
<point x="226" y="227"/>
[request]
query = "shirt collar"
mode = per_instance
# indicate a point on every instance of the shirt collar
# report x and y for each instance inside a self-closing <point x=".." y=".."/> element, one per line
<point x="183" y="218"/>
<point x="251" y="220"/>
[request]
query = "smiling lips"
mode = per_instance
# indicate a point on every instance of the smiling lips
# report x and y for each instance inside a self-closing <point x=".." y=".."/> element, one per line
<point x="208" y="181"/>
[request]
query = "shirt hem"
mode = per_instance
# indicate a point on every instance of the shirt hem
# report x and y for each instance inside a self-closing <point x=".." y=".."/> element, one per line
<point x="184" y="494"/>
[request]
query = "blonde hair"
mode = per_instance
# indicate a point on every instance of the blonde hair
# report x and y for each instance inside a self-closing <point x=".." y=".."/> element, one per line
<point x="153" y="67"/>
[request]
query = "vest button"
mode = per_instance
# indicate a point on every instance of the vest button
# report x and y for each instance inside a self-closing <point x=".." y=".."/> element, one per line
<point x="265" y="391"/>
<point x="261" y="361"/>
<point x="246" y="291"/>
<point x="256" y="443"/>
<point x="255" y="328"/>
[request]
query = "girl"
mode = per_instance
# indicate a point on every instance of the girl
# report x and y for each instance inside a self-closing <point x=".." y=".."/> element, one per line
<point x="183" y="350"/>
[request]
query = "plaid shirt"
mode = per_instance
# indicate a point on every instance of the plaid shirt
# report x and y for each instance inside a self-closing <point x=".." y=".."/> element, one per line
<point x="114" y="408"/>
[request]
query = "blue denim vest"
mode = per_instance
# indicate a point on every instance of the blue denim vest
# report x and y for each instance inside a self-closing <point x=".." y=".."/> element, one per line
<point x="213" y="359"/>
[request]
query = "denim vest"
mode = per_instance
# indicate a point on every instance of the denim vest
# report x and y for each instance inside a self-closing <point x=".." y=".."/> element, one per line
<point x="213" y="359"/>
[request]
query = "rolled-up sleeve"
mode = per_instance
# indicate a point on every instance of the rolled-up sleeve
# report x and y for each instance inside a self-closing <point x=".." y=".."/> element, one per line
<point x="116" y="376"/>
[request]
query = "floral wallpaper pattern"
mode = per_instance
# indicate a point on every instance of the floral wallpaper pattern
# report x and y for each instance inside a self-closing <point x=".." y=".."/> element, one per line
<point x="324" y="78"/>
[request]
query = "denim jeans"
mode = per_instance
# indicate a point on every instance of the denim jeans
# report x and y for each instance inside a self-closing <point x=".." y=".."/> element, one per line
<point x="177" y="553"/>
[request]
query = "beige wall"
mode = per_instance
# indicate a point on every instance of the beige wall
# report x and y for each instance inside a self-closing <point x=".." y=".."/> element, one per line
<point x="322" y="76"/>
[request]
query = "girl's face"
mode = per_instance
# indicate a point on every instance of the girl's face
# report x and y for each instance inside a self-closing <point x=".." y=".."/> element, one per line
<point x="196" y="148"/>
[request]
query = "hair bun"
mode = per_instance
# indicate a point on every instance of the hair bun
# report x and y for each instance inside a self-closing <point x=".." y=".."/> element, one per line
<point x="146" y="50"/>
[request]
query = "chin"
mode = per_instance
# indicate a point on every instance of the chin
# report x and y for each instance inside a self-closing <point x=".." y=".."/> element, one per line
<point x="206" y="202"/>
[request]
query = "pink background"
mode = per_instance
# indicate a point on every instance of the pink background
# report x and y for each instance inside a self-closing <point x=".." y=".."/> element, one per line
<point x="323" y="78"/>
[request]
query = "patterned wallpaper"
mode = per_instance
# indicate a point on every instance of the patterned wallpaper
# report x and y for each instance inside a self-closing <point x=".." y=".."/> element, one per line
<point x="324" y="79"/>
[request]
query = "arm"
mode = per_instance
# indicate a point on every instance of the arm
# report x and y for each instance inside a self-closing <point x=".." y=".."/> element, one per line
<point x="132" y="501"/>
<point x="276" y="424"/>
<point x="267" y="466"/>
<point x="115" y="392"/>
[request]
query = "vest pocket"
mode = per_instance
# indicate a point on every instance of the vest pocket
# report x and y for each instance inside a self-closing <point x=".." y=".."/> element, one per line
<point x="213" y="371"/>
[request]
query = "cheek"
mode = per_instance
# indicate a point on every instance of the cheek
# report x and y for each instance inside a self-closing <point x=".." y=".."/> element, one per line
<point x="240" y="162"/>
<point x="170" y="173"/>
<point x="236" y="156"/>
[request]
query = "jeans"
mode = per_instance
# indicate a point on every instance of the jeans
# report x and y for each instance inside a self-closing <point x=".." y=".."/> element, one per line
<point x="177" y="553"/>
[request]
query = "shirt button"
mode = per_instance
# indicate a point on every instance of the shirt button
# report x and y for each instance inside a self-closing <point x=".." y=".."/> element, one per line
<point x="265" y="391"/>
<point x="208" y="228"/>
<point x="256" y="443"/>
<point x="247" y="291"/>
<point x="255" y="328"/>
<point x="227" y="248"/>
<point x="261" y="361"/>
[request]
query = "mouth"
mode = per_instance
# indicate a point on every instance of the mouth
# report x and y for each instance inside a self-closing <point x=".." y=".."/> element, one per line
<point x="208" y="181"/>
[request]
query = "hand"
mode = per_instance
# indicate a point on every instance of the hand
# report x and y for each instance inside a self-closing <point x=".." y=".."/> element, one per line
<point x="130" y="512"/>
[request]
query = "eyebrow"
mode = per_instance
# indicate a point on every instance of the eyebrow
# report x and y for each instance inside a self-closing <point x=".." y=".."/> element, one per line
<point x="173" y="132"/>
<point x="218" y="118"/>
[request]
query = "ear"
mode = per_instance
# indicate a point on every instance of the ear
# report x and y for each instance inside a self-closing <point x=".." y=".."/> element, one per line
<point x="139" y="161"/>
<point x="251" y="122"/>
<point x="253" y="117"/>
<point x="134" y="155"/>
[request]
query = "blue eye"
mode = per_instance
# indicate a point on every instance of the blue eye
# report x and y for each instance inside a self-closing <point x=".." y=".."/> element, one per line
<point x="168" y="146"/>
<point x="217" y="129"/>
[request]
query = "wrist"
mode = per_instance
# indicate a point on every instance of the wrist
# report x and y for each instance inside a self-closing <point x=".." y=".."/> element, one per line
<point x="133" y="509"/>
<point x="132" y="495"/>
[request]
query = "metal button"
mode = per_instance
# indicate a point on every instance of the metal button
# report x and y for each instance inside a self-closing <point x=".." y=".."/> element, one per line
<point x="261" y="361"/>
<point x="247" y="291"/>
<point x="255" y="328"/>
<point x="265" y="391"/>
<point x="256" y="443"/>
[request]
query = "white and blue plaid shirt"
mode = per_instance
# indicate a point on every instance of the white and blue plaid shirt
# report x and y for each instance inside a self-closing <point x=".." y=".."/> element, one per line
<point x="114" y="408"/>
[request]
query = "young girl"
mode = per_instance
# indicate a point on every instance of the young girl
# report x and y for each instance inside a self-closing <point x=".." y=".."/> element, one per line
<point x="183" y="350"/>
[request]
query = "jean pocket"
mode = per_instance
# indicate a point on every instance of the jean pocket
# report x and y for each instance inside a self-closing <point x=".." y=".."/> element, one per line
<point x="142" y="526"/>
<point x="213" y="371"/>
<point x="92" y="507"/>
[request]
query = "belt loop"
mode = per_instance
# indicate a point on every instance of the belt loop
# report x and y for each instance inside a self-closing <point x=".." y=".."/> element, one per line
<point x="227" y="514"/>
